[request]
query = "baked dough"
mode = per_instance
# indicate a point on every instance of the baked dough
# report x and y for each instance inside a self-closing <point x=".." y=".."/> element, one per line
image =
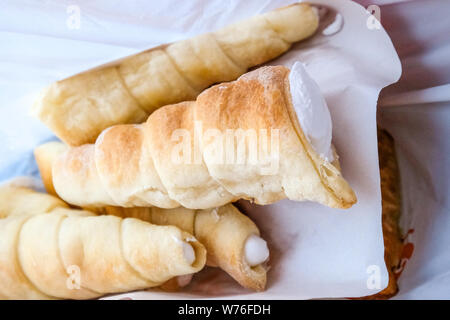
<point x="223" y="231"/>
<point x="139" y="165"/>
<point x="77" y="109"/>
<point x="42" y="242"/>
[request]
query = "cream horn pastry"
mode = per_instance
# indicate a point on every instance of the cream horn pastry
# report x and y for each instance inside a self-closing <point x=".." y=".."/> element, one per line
<point x="231" y="239"/>
<point x="50" y="251"/>
<point x="78" y="108"/>
<point x="239" y="140"/>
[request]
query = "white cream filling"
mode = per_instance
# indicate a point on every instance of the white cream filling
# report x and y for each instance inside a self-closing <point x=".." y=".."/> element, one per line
<point x="255" y="250"/>
<point x="312" y="110"/>
<point x="188" y="252"/>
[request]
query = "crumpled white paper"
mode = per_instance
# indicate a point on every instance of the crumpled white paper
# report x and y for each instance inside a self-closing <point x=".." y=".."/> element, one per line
<point x="416" y="111"/>
<point x="316" y="251"/>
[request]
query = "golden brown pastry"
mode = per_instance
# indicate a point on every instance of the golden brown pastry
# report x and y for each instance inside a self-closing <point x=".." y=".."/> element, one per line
<point x="169" y="162"/>
<point x="231" y="239"/>
<point x="48" y="250"/>
<point x="77" y="109"/>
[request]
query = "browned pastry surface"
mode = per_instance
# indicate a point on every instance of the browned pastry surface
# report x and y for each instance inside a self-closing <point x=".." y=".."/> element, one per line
<point x="390" y="204"/>
<point x="144" y="165"/>
<point x="78" y="108"/>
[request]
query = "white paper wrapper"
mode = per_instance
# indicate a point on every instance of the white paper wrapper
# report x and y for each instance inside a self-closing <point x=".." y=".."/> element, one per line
<point x="416" y="111"/>
<point x="420" y="131"/>
<point x="316" y="252"/>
